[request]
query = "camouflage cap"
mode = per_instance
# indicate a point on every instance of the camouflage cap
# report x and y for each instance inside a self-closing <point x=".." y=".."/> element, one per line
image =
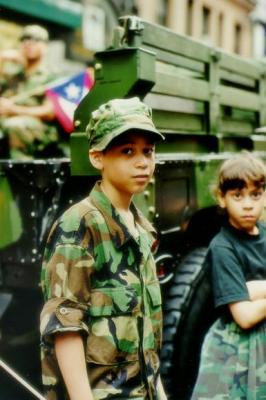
<point x="118" y="116"/>
<point x="35" y="32"/>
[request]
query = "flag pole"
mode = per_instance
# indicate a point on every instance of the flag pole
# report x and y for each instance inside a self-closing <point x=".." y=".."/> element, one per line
<point x="22" y="381"/>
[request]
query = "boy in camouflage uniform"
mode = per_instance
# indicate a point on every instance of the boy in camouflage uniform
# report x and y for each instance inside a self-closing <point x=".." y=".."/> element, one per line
<point x="25" y="112"/>
<point x="101" y="322"/>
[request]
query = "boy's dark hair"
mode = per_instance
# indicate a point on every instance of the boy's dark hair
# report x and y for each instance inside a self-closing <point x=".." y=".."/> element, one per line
<point x="236" y="172"/>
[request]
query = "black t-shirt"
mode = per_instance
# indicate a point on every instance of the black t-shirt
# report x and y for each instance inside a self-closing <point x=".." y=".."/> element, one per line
<point x="235" y="257"/>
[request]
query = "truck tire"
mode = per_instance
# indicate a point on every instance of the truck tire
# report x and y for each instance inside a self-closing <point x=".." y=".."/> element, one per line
<point x="188" y="313"/>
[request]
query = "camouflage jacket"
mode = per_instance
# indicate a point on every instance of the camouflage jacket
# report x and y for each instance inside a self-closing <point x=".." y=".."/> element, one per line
<point x="99" y="280"/>
<point x="20" y="84"/>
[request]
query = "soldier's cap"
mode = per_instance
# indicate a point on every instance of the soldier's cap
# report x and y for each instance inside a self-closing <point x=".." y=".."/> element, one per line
<point x="116" y="117"/>
<point x="34" y="32"/>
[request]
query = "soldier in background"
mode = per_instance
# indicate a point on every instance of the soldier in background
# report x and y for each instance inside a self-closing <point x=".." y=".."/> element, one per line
<point x="26" y="115"/>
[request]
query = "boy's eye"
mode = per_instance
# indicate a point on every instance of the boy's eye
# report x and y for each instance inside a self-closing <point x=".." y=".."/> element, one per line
<point x="149" y="151"/>
<point x="130" y="150"/>
<point x="127" y="150"/>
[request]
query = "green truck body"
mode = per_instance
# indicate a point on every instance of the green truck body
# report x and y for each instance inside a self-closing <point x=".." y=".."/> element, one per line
<point x="209" y="105"/>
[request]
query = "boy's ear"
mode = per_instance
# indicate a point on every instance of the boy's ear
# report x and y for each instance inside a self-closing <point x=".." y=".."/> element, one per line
<point x="221" y="199"/>
<point x="96" y="159"/>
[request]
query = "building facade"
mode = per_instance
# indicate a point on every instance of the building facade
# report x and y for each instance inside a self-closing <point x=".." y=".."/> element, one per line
<point x="222" y="23"/>
<point x="259" y="29"/>
<point x="79" y="28"/>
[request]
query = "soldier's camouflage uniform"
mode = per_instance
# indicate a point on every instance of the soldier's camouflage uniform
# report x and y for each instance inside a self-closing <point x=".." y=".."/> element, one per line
<point x="101" y="281"/>
<point x="32" y="134"/>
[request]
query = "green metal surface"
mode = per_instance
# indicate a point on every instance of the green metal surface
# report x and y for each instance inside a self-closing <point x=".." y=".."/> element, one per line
<point x="178" y="122"/>
<point x="80" y="155"/>
<point x="47" y="10"/>
<point x="119" y="73"/>
<point x="10" y="220"/>
<point x="203" y="100"/>
<point x="205" y="174"/>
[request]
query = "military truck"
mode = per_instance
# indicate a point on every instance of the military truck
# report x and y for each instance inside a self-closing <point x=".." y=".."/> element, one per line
<point x="209" y="105"/>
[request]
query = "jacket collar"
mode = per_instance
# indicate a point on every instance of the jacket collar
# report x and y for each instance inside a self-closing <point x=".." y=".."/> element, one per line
<point x="118" y="230"/>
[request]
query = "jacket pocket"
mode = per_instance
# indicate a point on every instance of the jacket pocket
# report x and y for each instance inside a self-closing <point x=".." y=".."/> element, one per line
<point x="112" y="301"/>
<point x="154" y="292"/>
<point x="154" y="322"/>
<point x="113" y="334"/>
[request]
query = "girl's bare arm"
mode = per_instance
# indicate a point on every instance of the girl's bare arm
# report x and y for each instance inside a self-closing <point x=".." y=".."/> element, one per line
<point x="248" y="313"/>
<point x="257" y="289"/>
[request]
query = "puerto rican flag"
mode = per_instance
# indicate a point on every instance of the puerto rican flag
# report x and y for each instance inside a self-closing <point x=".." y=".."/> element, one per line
<point x="67" y="94"/>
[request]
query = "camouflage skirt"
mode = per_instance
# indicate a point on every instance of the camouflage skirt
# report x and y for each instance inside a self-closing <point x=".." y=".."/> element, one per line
<point x="233" y="363"/>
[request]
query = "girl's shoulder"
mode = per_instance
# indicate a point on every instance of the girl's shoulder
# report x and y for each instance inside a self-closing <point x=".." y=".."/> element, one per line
<point x="222" y="238"/>
<point x="262" y="226"/>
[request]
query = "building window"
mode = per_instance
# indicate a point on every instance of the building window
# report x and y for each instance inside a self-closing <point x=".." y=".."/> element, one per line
<point x="238" y="39"/>
<point x="189" y="17"/>
<point x="264" y="40"/>
<point x="220" y="30"/>
<point x="93" y="28"/>
<point x="205" y="22"/>
<point x="162" y="9"/>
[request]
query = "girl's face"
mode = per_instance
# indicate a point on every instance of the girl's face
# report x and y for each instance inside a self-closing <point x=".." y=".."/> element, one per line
<point x="128" y="165"/>
<point x="244" y="207"/>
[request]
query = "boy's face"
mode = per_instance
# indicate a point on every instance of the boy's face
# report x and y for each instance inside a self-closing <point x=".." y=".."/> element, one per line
<point x="244" y="206"/>
<point x="128" y="164"/>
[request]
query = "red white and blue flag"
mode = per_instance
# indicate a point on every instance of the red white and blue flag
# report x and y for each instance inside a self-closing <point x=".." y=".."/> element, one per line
<point x="66" y="95"/>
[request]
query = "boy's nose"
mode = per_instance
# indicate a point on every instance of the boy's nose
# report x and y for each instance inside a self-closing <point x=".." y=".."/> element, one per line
<point x="142" y="161"/>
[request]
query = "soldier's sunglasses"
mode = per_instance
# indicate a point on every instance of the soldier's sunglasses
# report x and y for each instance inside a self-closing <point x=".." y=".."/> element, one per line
<point x="31" y="38"/>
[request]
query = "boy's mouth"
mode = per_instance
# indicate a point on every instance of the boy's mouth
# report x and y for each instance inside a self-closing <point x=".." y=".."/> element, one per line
<point x="141" y="177"/>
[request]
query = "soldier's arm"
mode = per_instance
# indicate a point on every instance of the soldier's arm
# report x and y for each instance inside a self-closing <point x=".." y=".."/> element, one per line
<point x="70" y="355"/>
<point x="44" y="111"/>
<point x="12" y="55"/>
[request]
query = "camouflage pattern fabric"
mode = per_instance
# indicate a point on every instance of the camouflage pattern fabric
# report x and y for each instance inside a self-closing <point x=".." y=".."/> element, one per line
<point x="116" y="117"/>
<point x="28" y="135"/>
<point x="233" y="364"/>
<point x="15" y="81"/>
<point x="99" y="280"/>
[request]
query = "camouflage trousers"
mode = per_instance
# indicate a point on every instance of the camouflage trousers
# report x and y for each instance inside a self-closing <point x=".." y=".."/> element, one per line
<point x="27" y="136"/>
<point x="233" y="364"/>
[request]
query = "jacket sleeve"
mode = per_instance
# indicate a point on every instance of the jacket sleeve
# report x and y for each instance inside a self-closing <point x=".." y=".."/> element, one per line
<point x="66" y="285"/>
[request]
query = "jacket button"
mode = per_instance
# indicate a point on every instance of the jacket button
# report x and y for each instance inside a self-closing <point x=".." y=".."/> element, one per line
<point x="63" y="310"/>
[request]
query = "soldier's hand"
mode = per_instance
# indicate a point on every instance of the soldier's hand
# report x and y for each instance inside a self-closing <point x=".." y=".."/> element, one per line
<point x="7" y="107"/>
<point x="13" y="55"/>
